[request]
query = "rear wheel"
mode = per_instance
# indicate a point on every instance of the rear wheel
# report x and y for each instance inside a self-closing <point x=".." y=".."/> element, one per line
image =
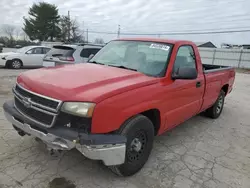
<point x="215" y="110"/>
<point x="16" y="64"/>
<point x="140" y="135"/>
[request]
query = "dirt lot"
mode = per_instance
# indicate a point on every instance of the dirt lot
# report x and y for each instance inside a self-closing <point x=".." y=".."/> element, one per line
<point x="199" y="153"/>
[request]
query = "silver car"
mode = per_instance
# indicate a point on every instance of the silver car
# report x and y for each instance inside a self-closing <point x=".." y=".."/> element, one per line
<point x="70" y="54"/>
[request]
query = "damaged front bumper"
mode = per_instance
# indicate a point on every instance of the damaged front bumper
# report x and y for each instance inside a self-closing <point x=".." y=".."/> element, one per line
<point x="109" y="148"/>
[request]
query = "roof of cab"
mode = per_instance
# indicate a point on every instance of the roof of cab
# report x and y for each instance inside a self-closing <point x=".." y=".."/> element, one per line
<point x="157" y="40"/>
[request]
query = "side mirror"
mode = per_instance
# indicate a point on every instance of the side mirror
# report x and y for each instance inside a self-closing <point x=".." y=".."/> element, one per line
<point x="90" y="57"/>
<point x="185" y="73"/>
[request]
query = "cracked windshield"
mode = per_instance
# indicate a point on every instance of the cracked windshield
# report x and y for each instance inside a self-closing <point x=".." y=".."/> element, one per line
<point x="128" y="94"/>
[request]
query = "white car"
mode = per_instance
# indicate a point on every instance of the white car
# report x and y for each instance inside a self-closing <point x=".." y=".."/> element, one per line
<point x="29" y="56"/>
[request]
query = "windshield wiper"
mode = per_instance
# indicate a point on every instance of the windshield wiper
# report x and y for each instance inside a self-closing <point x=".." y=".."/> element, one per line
<point x="123" y="67"/>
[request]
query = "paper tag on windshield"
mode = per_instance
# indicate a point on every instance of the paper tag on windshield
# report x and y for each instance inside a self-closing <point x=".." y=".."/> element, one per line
<point x="160" y="46"/>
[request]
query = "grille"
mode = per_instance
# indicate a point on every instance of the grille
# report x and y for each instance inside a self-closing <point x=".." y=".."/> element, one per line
<point x="34" y="114"/>
<point x="37" y="99"/>
<point x="39" y="109"/>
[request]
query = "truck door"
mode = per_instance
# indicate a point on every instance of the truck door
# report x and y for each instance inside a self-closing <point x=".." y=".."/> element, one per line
<point x="186" y="95"/>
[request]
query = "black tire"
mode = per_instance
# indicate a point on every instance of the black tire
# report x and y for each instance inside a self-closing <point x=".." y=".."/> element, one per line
<point x="215" y="110"/>
<point x="137" y="128"/>
<point x="16" y="64"/>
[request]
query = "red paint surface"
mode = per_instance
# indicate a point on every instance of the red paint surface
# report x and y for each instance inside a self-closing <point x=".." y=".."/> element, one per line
<point x="120" y="94"/>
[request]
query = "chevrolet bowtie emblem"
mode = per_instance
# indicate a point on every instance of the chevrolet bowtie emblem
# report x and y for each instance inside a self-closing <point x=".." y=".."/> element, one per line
<point x="27" y="102"/>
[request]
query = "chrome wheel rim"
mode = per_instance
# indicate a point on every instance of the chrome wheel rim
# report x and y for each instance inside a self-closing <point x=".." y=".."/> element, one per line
<point x="16" y="64"/>
<point x="219" y="105"/>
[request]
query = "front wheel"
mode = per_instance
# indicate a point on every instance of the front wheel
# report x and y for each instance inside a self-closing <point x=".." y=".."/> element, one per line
<point x="16" y="64"/>
<point x="215" y="110"/>
<point x="139" y="131"/>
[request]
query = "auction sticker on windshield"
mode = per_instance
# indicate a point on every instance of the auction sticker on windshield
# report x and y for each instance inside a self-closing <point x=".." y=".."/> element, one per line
<point x="160" y="46"/>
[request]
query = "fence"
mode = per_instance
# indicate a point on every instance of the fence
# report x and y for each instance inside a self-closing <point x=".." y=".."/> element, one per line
<point x="239" y="58"/>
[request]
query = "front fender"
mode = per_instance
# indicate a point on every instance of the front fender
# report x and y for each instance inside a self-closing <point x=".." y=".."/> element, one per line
<point x="11" y="57"/>
<point x="111" y="113"/>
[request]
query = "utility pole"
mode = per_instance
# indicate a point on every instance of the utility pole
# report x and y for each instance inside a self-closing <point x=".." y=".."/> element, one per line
<point x="87" y="35"/>
<point x="118" y="32"/>
<point x="69" y="26"/>
<point x="83" y="31"/>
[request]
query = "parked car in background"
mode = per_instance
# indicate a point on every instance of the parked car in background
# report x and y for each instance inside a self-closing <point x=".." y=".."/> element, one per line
<point x="27" y="56"/>
<point x="18" y="46"/>
<point x="70" y="54"/>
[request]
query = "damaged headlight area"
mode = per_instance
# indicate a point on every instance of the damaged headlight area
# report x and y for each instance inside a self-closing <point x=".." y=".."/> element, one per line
<point x="82" y="109"/>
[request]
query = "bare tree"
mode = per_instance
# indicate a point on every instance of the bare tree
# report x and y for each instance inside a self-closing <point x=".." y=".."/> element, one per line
<point x="9" y="31"/>
<point x="99" y="41"/>
<point x="17" y="33"/>
<point x="76" y="35"/>
<point x="64" y="25"/>
<point x="24" y="36"/>
<point x="72" y="33"/>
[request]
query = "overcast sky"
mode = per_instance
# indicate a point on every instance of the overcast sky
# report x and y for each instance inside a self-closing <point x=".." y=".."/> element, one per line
<point x="147" y="16"/>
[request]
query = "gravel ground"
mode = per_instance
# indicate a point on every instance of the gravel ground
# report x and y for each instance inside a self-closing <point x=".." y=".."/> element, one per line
<point x="201" y="153"/>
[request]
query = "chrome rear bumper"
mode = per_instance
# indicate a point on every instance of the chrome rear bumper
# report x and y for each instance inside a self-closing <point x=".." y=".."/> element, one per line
<point x="110" y="154"/>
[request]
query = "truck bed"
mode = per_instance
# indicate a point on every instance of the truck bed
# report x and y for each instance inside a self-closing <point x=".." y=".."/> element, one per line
<point x="214" y="68"/>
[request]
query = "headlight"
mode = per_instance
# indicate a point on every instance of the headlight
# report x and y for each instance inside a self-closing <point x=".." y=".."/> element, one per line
<point x="83" y="109"/>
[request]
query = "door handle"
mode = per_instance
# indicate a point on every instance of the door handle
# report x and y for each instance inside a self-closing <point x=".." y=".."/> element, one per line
<point x="198" y="84"/>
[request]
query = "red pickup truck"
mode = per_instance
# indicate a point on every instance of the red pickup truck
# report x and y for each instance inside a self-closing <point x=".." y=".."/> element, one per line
<point x="111" y="107"/>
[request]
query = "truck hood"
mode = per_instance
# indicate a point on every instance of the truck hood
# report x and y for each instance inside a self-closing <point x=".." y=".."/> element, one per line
<point x="83" y="82"/>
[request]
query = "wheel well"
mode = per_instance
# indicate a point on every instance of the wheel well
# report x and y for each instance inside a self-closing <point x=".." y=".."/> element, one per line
<point x="154" y="116"/>
<point x="225" y="88"/>
<point x="7" y="64"/>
